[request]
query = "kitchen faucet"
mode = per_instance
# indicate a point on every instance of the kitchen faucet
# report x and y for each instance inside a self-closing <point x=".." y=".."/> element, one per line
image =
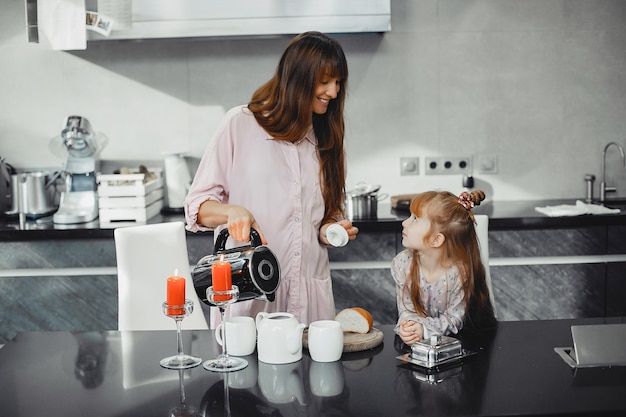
<point x="604" y="188"/>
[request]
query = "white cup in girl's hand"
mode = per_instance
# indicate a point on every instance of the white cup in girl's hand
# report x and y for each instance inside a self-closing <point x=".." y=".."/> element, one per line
<point x="240" y="335"/>
<point x="325" y="340"/>
<point x="337" y="235"/>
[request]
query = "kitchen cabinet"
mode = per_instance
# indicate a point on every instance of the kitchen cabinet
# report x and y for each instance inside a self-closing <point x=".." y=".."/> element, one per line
<point x="563" y="275"/>
<point x="616" y="273"/>
<point x="536" y="274"/>
<point x="40" y="291"/>
<point x="162" y="19"/>
<point x="541" y="268"/>
<point x="71" y="283"/>
<point x="68" y="284"/>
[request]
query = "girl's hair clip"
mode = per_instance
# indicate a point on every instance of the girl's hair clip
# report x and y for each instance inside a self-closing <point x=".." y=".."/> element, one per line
<point x="466" y="200"/>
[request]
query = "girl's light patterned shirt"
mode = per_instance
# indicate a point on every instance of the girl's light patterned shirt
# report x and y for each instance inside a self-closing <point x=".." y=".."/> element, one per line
<point x="443" y="299"/>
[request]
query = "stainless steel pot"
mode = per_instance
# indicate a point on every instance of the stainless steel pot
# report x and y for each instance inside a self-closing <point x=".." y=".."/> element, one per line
<point x="362" y="206"/>
<point x="29" y="195"/>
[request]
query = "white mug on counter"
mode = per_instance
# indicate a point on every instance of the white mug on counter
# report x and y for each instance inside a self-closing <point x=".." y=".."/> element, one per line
<point x="325" y="340"/>
<point x="240" y="335"/>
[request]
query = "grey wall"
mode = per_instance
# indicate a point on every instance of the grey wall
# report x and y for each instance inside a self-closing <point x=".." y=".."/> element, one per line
<point x="539" y="83"/>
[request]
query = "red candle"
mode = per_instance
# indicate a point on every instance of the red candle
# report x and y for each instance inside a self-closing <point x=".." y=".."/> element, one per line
<point x="222" y="279"/>
<point x="175" y="294"/>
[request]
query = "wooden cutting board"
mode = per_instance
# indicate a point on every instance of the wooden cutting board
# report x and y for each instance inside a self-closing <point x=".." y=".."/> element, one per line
<point x="355" y="342"/>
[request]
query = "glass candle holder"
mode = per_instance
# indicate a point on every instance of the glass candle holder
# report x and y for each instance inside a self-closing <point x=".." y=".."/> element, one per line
<point x="224" y="362"/>
<point x="181" y="360"/>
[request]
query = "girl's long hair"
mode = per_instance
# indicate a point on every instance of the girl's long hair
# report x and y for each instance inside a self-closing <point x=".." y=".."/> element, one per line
<point x="456" y="223"/>
<point x="283" y="107"/>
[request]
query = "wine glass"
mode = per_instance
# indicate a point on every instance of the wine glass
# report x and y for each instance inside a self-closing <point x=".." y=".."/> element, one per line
<point x="226" y="395"/>
<point x="180" y="360"/>
<point x="224" y="362"/>
<point x="182" y="409"/>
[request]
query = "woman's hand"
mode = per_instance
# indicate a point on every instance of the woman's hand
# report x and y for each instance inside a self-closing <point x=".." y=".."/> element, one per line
<point x="410" y="331"/>
<point x="238" y="219"/>
<point x="346" y="224"/>
<point x="239" y="223"/>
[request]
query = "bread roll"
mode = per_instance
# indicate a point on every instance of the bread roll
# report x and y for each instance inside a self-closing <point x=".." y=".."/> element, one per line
<point x="355" y="320"/>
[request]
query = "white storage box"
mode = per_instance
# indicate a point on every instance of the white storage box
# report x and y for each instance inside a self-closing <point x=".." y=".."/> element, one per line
<point x="128" y="185"/>
<point x="131" y="202"/>
<point x="129" y="214"/>
<point x="126" y="198"/>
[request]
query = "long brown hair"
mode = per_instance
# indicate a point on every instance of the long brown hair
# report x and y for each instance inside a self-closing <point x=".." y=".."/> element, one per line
<point x="451" y="218"/>
<point x="283" y="107"/>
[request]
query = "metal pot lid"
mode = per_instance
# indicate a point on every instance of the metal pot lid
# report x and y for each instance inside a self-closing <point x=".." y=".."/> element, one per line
<point x="363" y="189"/>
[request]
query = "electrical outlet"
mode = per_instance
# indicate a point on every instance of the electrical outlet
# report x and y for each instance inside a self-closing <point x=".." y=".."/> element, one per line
<point x="487" y="164"/>
<point x="448" y="165"/>
<point x="409" y="165"/>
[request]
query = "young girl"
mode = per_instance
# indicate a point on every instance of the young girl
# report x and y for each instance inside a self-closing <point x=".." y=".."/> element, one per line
<point x="440" y="279"/>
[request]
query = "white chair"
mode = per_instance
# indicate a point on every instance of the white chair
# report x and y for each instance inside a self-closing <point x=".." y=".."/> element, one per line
<point x="482" y="229"/>
<point x="146" y="256"/>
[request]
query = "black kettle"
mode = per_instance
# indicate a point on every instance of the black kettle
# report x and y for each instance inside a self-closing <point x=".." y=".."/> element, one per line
<point x="255" y="269"/>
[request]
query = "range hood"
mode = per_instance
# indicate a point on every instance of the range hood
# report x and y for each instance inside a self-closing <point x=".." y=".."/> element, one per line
<point x="151" y="19"/>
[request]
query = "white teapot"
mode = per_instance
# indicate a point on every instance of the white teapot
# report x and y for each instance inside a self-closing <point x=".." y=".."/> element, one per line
<point x="279" y="337"/>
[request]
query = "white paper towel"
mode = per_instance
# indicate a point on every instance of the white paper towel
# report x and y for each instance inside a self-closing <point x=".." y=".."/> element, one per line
<point x="579" y="209"/>
<point x="62" y="24"/>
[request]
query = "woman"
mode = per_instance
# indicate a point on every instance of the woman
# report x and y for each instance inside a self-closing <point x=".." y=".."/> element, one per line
<point x="277" y="165"/>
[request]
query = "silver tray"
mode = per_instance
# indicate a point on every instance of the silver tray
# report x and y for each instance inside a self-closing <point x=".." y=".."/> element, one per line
<point x="435" y="351"/>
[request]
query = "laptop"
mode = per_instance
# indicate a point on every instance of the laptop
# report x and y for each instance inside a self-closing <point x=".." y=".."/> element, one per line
<point x="596" y="345"/>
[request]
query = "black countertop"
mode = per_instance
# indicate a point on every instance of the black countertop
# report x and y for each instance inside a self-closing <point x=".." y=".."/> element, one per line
<point x="514" y="371"/>
<point x="503" y="215"/>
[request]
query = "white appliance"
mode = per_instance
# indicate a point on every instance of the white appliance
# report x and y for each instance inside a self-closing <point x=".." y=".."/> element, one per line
<point x="177" y="182"/>
<point x="79" y="145"/>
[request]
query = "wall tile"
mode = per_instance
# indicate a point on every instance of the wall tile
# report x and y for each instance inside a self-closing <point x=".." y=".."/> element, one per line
<point x="500" y="15"/>
<point x="594" y="14"/>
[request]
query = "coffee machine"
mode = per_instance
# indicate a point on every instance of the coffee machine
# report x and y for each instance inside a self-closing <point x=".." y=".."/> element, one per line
<point x="79" y="145"/>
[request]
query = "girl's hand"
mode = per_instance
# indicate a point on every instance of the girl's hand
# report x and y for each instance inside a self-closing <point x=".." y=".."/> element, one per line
<point x="410" y="331"/>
